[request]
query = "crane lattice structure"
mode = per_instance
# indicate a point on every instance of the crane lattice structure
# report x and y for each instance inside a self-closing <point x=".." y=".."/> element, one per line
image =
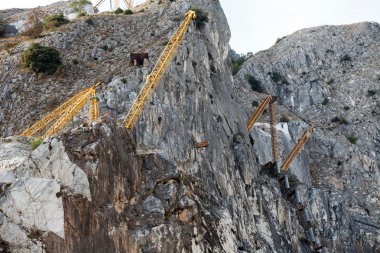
<point x="154" y="78"/>
<point x="256" y="115"/>
<point x="114" y="4"/>
<point x="65" y="112"/>
<point x="296" y="149"/>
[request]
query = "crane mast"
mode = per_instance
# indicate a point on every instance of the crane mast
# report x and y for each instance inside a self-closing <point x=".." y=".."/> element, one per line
<point x="297" y="148"/>
<point x="273" y="130"/>
<point x="115" y="4"/>
<point x="154" y="78"/>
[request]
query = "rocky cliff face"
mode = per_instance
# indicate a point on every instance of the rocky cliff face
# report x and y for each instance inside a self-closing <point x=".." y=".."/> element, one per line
<point x="102" y="189"/>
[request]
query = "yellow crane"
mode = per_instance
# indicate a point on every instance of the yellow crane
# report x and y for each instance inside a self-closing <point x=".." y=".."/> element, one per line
<point x="296" y="149"/>
<point x="116" y="4"/>
<point x="154" y="78"/>
<point x="256" y="115"/>
<point x="64" y="113"/>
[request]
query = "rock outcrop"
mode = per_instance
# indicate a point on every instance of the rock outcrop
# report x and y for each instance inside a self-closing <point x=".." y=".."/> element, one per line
<point x="103" y="189"/>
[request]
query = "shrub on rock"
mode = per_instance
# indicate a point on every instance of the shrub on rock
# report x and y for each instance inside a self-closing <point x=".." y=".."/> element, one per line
<point x="40" y="59"/>
<point x="54" y="21"/>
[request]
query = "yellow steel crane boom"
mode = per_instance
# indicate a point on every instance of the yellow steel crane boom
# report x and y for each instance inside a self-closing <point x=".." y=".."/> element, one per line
<point x="157" y="73"/>
<point x="98" y="4"/>
<point x="69" y="114"/>
<point x="53" y="115"/>
<point x="129" y="4"/>
<point x="297" y="148"/>
<point x="255" y="116"/>
<point x="94" y="106"/>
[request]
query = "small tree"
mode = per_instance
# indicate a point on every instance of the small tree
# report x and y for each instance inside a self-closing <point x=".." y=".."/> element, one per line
<point x="254" y="83"/>
<point x="128" y="12"/>
<point x="237" y="63"/>
<point x="54" y="21"/>
<point x="40" y="59"/>
<point x="78" y="6"/>
<point x="118" y="11"/>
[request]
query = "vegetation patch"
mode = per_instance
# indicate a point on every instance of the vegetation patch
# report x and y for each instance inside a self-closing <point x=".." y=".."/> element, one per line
<point x="352" y="138"/>
<point x="346" y="58"/>
<point x="284" y="118"/>
<point x="118" y="11"/>
<point x="35" y="142"/>
<point x="278" y="78"/>
<point x="202" y="18"/>
<point x="255" y="103"/>
<point x="54" y="21"/>
<point x="128" y="12"/>
<point x="40" y="59"/>
<point x="340" y="120"/>
<point x="371" y="93"/>
<point x="3" y="26"/>
<point x="254" y="83"/>
<point x="325" y="101"/>
<point x="79" y="7"/>
<point x="90" y="21"/>
<point x="237" y="63"/>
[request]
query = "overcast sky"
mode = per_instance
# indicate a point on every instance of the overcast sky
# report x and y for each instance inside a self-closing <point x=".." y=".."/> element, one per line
<point x="256" y="24"/>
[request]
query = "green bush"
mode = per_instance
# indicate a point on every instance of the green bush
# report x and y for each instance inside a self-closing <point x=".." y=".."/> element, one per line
<point x="3" y="26"/>
<point x="340" y="120"/>
<point x="352" y="138"/>
<point x="78" y="6"/>
<point x="255" y="103"/>
<point x="284" y="118"/>
<point x="35" y="142"/>
<point x="325" y="101"/>
<point x="371" y="93"/>
<point x="237" y="63"/>
<point x="254" y="83"/>
<point x="118" y="11"/>
<point x="277" y="77"/>
<point x="90" y="21"/>
<point x="40" y="59"/>
<point x="346" y="58"/>
<point x="54" y="21"/>
<point x="201" y="19"/>
<point x="128" y="12"/>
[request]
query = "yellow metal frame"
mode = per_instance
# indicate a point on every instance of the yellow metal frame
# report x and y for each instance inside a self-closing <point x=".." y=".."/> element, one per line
<point x="256" y="114"/>
<point x="297" y="148"/>
<point x="66" y="112"/>
<point x="158" y="72"/>
<point x="53" y="115"/>
<point x="128" y="3"/>
<point x="94" y="107"/>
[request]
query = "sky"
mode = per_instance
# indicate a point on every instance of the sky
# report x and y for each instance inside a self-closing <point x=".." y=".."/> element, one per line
<point x="256" y="24"/>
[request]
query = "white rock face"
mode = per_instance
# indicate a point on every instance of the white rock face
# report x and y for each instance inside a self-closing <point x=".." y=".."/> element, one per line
<point x="33" y="203"/>
<point x="51" y="161"/>
<point x="13" y="152"/>
<point x="29" y="194"/>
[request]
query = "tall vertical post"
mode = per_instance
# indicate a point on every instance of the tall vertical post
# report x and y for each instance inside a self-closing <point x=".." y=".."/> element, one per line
<point x="273" y="130"/>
